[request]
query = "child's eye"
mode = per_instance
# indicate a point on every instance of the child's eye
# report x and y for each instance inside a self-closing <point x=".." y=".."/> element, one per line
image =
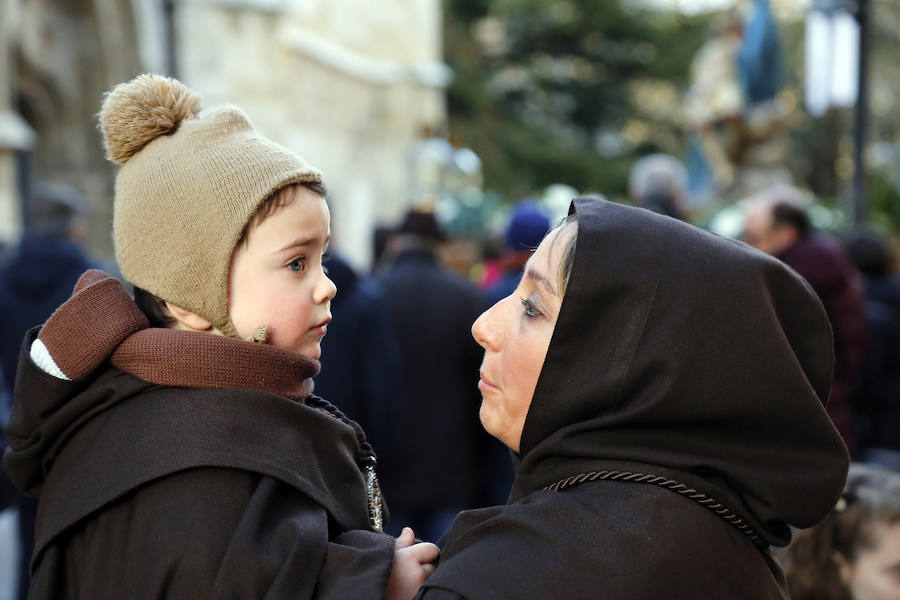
<point x="531" y="310"/>
<point x="296" y="265"/>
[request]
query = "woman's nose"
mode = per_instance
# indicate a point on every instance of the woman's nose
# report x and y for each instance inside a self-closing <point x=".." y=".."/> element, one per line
<point x="484" y="328"/>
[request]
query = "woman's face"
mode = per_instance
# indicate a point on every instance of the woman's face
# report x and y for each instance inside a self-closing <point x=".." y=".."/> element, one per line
<point x="875" y="575"/>
<point x="515" y="334"/>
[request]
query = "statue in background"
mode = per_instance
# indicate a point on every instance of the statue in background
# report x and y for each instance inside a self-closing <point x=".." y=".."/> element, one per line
<point x="738" y="143"/>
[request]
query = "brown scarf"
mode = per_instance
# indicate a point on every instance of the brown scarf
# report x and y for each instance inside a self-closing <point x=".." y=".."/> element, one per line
<point x="200" y="360"/>
<point x="101" y="322"/>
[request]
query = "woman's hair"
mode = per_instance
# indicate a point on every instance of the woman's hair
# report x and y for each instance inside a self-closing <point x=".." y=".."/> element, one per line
<point x="811" y="562"/>
<point x="565" y="232"/>
<point x="155" y="308"/>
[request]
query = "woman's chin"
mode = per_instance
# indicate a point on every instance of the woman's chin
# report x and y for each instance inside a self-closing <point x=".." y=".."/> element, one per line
<point x="484" y="416"/>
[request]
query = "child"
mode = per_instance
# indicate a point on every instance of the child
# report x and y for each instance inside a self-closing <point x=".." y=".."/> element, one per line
<point x="854" y="554"/>
<point x="171" y="457"/>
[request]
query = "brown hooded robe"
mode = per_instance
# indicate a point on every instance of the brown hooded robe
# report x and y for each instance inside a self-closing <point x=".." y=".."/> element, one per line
<point x="678" y="423"/>
<point x="214" y="474"/>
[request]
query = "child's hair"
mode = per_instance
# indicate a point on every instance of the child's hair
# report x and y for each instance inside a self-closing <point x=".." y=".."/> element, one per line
<point x="155" y="308"/>
<point x="279" y="199"/>
<point x="811" y="562"/>
<point x="189" y="183"/>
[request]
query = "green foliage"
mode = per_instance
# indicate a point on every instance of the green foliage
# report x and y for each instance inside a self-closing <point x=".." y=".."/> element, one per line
<point x="538" y="81"/>
<point x="884" y="200"/>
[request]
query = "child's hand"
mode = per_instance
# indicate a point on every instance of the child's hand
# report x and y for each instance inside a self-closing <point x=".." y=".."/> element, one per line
<point x="413" y="563"/>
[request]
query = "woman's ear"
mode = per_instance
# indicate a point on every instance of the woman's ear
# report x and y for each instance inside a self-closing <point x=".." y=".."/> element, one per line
<point x="187" y="319"/>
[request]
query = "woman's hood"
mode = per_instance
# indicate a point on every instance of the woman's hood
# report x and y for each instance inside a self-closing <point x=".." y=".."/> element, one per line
<point x="683" y="354"/>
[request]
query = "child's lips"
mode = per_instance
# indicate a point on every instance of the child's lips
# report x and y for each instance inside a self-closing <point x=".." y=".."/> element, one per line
<point x="321" y="328"/>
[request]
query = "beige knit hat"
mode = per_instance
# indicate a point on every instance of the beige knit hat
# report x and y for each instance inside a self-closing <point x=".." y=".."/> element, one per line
<point x="187" y="187"/>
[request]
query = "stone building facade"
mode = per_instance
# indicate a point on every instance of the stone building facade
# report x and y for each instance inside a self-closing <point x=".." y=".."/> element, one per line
<point x="348" y="84"/>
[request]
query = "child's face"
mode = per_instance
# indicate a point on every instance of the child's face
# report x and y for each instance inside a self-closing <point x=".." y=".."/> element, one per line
<point x="875" y="574"/>
<point x="277" y="277"/>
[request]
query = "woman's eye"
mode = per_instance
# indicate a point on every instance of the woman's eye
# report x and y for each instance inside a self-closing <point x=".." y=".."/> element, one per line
<point x="531" y="310"/>
<point x="296" y="265"/>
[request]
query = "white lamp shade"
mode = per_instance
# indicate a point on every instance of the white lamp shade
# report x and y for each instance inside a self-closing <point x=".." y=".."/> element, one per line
<point x="832" y="61"/>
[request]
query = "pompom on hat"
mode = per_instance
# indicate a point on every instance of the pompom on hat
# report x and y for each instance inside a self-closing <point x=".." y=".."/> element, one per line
<point x="188" y="185"/>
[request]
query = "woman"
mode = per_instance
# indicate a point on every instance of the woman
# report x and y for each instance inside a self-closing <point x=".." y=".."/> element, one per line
<point x="662" y="391"/>
<point x="854" y="554"/>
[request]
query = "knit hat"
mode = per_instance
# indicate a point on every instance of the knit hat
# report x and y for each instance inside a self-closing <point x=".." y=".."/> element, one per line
<point x="527" y="226"/>
<point x="187" y="187"/>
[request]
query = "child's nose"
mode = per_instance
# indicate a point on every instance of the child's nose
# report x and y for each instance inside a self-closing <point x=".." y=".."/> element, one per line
<point x="325" y="290"/>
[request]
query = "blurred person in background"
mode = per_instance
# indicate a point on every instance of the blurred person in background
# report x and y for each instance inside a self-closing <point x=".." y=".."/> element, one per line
<point x="432" y="464"/>
<point x="527" y="225"/>
<point x="877" y="401"/>
<point x="854" y="554"/>
<point x="36" y="278"/>
<point x="777" y="224"/>
<point x="658" y="182"/>
<point x="7" y="491"/>
<point x="361" y="369"/>
<point x="380" y="237"/>
<point x="489" y="269"/>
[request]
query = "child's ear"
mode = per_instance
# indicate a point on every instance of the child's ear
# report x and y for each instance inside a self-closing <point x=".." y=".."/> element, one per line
<point x="189" y="320"/>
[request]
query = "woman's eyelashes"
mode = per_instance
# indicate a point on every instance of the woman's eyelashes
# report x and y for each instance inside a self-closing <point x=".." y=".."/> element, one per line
<point x="530" y="309"/>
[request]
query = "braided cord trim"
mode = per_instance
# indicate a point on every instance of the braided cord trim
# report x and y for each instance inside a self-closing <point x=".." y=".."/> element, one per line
<point x="721" y="510"/>
<point x="367" y="454"/>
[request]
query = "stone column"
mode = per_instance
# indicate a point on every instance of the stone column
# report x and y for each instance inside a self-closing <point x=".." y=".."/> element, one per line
<point x="15" y="134"/>
<point x="347" y="84"/>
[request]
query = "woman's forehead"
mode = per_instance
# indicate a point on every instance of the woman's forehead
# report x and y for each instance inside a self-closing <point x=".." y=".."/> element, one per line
<point x="544" y="263"/>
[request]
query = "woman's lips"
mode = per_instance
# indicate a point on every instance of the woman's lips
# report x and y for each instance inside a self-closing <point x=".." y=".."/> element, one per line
<point x="485" y="384"/>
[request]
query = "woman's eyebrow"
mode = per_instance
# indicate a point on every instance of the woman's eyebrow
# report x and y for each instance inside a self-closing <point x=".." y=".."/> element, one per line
<point x="534" y="275"/>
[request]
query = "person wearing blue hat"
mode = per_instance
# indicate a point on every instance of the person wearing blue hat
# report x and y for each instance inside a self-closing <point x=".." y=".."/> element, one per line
<point x="526" y="228"/>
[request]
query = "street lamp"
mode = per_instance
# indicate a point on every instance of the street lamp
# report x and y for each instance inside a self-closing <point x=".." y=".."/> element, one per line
<point x="837" y="77"/>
